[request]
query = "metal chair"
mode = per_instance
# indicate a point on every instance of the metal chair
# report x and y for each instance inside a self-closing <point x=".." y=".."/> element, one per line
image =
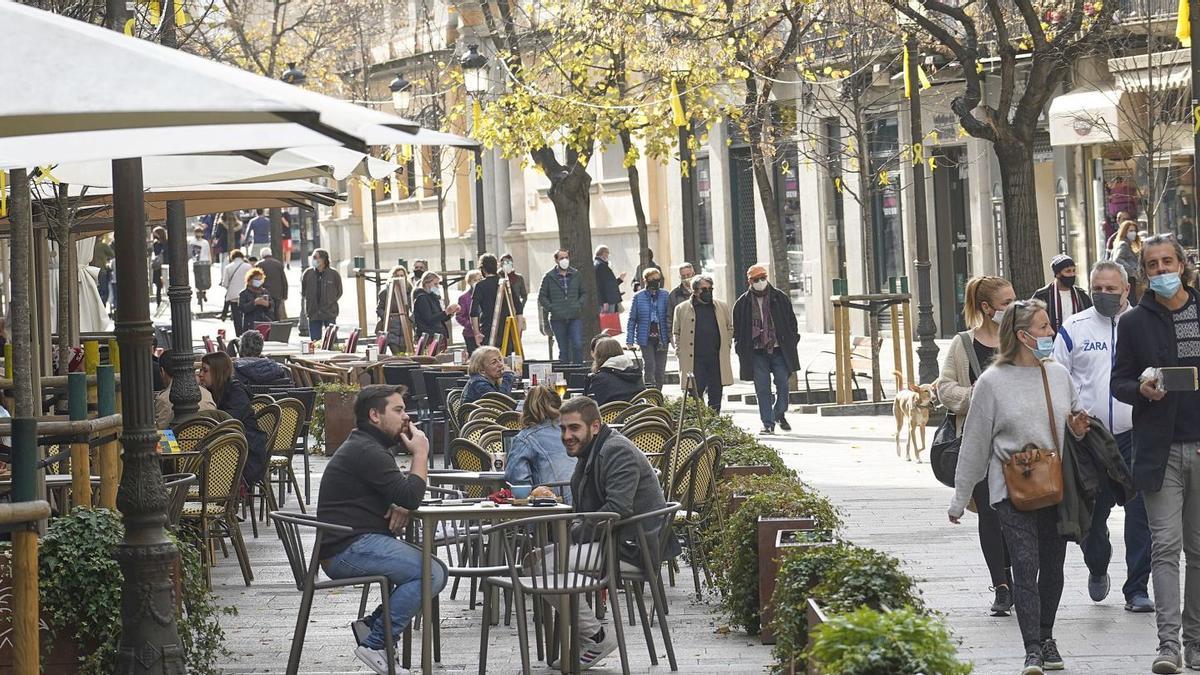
<point x="267" y="418"/>
<point x="649" y="572"/>
<point x="287" y="526"/>
<point x="308" y="398"/>
<point x="648" y="395"/>
<point x="509" y="420"/>
<point x="177" y="485"/>
<point x="578" y="571"/>
<point x="610" y="410"/>
<point x="677" y="452"/>
<point x="467" y="456"/>
<point x="475" y="429"/>
<point x="693" y="486"/>
<point x="651" y="438"/>
<point x="222" y="461"/>
<point x="631" y="412"/>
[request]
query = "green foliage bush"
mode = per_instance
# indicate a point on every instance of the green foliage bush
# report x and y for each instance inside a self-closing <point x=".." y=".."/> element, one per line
<point x="841" y="578"/>
<point x="902" y="641"/>
<point x="736" y="542"/>
<point x="738" y="448"/>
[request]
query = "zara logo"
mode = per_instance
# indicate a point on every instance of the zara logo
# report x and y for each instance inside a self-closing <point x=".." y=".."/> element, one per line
<point x="1094" y="346"/>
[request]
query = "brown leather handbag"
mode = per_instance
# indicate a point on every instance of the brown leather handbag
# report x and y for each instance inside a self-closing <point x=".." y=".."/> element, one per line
<point x="1033" y="476"/>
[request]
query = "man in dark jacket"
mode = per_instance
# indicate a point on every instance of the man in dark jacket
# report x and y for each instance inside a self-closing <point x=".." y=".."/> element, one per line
<point x="617" y="379"/>
<point x="1062" y="297"/>
<point x="683" y="292"/>
<point x="252" y="367"/>
<point x="561" y="297"/>
<point x="1164" y="331"/>
<point x="765" y="337"/>
<point x="363" y="489"/>
<point x="483" y="304"/>
<point x="611" y="475"/>
<point x="276" y="282"/>
<point x="321" y="287"/>
<point x="608" y="285"/>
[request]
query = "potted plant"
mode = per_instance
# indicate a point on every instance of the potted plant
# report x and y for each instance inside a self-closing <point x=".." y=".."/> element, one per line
<point x="866" y="641"/>
<point x="79" y="583"/>
<point x="333" y="415"/>
<point x="775" y="536"/>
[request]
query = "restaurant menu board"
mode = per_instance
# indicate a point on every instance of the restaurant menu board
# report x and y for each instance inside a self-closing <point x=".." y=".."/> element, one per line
<point x="541" y="371"/>
<point x="166" y="441"/>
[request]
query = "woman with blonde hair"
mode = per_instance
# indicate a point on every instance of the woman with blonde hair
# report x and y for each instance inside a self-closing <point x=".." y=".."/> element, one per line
<point x="1017" y="402"/>
<point x="987" y="299"/>
<point x="537" y="455"/>
<point x="487" y="374"/>
<point x="1126" y="252"/>
<point x="615" y="376"/>
<point x="256" y="303"/>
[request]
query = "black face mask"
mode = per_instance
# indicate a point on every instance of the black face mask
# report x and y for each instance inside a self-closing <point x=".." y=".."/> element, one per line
<point x="1067" y="281"/>
<point x="654" y="284"/>
<point x="706" y="296"/>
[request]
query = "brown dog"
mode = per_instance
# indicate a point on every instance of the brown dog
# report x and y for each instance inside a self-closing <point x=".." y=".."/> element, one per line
<point x="914" y="405"/>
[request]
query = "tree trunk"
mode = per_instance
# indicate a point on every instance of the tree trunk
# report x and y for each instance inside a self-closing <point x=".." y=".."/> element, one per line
<point x="571" y="195"/>
<point x="61" y="227"/>
<point x="639" y="213"/>
<point x="1026" y="268"/>
<point x="766" y="194"/>
<point x="25" y="402"/>
<point x="870" y="283"/>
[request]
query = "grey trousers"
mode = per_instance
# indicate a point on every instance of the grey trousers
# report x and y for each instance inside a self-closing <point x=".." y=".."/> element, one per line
<point x="655" y="365"/>
<point x="1174" y="515"/>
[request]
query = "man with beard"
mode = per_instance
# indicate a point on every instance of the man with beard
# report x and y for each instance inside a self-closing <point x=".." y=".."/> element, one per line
<point x="364" y="489"/>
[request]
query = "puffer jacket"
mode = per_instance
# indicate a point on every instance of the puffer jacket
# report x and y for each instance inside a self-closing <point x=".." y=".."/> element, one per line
<point x="648" y="307"/>
<point x="562" y="305"/>
<point x="261" y="370"/>
<point x="619" y="379"/>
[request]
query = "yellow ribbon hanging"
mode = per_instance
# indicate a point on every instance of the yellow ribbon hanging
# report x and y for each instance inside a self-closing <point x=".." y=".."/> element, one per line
<point x="918" y="154"/>
<point x="406" y="153"/>
<point x="154" y="10"/>
<point x="1183" y="24"/>
<point x="907" y="79"/>
<point x="934" y="137"/>
<point x="478" y="172"/>
<point x="129" y="27"/>
<point x="44" y="175"/>
<point x="678" y="118"/>
<point x="885" y="178"/>
<point x="922" y="78"/>
<point x="837" y="184"/>
<point x="1195" y="120"/>
<point x="3" y="194"/>
<point x="684" y="169"/>
<point x="962" y="132"/>
<point x="181" y="15"/>
<point x="932" y="163"/>
<point x="476" y="115"/>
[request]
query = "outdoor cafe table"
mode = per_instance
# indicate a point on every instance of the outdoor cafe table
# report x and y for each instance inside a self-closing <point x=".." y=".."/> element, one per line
<point x="431" y="515"/>
<point x="491" y="480"/>
<point x="54" y="481"/>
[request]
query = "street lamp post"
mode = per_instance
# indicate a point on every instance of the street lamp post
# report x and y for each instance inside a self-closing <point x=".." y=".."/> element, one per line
<point x="475" y="79"/>
<point x="926" y="329"/>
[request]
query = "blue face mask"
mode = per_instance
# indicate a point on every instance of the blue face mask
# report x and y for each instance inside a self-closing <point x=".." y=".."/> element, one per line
<point x="1044" y="348"/>
<point x="1166" y="285"/>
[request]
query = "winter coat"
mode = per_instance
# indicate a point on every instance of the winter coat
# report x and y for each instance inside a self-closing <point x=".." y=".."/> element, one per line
<point x="617" y="380"/>
<point x="235" y="400"/>
<point x="953" y="384"/>
<point x="463" y="317"/>
<point x="252" y="313"/>
<point x="786" y="331"/>
<point x="559" y="304"/>
<point x="321" y="292"/>
<point x="233" y="278"/>
<point x="428" y="316"/>
<point x="276" y="282"/>
<point x="684" y="332"/>
<point x="646" y="308"/>
<point x="1088" y="464"/>
<point x="261" y="370"/>
<point x="608" y="287"/>
<point x="1049" y="295"/>
<point x="479" y="385"/>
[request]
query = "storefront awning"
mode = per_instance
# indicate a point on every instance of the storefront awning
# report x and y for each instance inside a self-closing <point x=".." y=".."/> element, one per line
<point x="1160" y="71"/>
<point x="1087" y="116"/>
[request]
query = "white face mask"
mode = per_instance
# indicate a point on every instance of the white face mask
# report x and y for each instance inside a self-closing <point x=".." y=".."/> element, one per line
<point x="564" y="263"/>
<point x="1131" y="235"/>
<point x="436" y="291"/>
<point x="508" y="268"/>
<point x="760" y="286"/>
<point x="998" y="316"/>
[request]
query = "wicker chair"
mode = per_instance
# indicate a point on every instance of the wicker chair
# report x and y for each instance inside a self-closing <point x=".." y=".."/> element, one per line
<point x="651" y="396"/>
<point x="651" y="413"/>
<point x="267" y="419"/>
<point x="454" y="404"/>
<point x="283" y="447"/>
<point x="631" y="412"/>
<point x="610" y="410"/>
<point x="492" y="442"/>
<point x="467" y="456"/>
<point x="500" y="398"/>
<point x="677" y="452"/>
<point x="693" y="487"/>
<point x="651" y="438"/>
<point x="475" y="429"/>
<point x="482" y="412"/>
<point x="191" y="432"/>
<point x="465" y="411"/>
<point x="214" y="514"/>
<point x="509" y="420"/>
<point x="260" y="401"/>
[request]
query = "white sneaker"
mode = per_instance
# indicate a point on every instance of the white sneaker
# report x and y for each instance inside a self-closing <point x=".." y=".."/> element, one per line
<point x="591" y="653"/>
<point x="376" y="659"/>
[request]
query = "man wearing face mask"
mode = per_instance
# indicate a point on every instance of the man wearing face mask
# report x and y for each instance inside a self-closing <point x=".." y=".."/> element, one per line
<point x="1062" y="297"/>
<point x="702" y="330"/>
<point x="682" y="292"/>
<point x="1162" y="331"/>
<point x="516" y="284"/>
<point x="765" y="337"/>
<point x="1086" y="346"/>
<point x="321" y="288"/>
<point x="420" y="266"/>
<point x="561" y="298"/>
<point x="649" y="325"/>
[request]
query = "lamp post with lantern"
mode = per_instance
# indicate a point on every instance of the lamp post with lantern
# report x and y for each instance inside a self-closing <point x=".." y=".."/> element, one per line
<point x="475" y="79"/>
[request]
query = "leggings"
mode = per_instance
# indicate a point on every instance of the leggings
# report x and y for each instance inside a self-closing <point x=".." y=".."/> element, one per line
<point x="1037" y="553"/>
<point x="991" y="537"/>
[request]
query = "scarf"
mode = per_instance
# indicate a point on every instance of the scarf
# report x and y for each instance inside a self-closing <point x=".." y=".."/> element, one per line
<point x="761" y="324"/>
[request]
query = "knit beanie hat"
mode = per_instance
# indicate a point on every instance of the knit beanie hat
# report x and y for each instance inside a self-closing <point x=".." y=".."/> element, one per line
<point x="1061" y="262"/>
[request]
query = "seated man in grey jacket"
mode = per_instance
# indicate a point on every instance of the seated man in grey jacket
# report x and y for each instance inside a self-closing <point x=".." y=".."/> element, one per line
<point x="611" y="475"/>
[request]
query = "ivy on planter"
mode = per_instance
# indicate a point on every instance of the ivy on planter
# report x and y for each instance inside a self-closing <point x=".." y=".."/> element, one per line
<point x="866" y="641"/>
<point x="316" y="425"/>
<point x="842" y="578"/>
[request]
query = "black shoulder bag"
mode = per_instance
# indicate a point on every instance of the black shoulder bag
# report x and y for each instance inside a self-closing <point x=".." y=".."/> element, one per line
<point x="943" y="454"/>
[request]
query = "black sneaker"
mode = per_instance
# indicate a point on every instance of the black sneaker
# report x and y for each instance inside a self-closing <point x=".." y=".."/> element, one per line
<point x="1033" y="664"/>
<point x="1051" y="659"/>
<point x="783" y="423"/>
<point x="1003" y="602"/>
<point x="361" y="630"/>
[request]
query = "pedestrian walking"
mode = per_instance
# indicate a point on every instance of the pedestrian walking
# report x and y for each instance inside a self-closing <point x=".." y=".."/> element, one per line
<point x="257" y="231"/>
<point x="286" y="227"/>
<point x="649" y="325"/>
<point x="561" y="298"/>
<point x="1085" y="346"/>
<point x="102" y="253"/>
<point x="608" y="285"/>
<point x="428" y="314"/>
<point x="1125" y="251"/>
<point x="483" y="301"/>
<point x="256" y="303"/>
<point x="233" y="280"/>
<point x="615" y="376"/>
<point x="276" y="280"/>
<point x="1164" y="331"/>
<point x="1019" y="400"/>
<point x="640" y="274"/>
<point x="321" y="289"/>
<point x="702" y="332"/>
<point x="463" y="315"/>
<point x="987" y="299"/>
<point x="683" y="292"/>
<point x="765" y="337"/>
<point x="1061" y="296"/>
<point x="159" y="256"/>
<point x="200" y="253"/>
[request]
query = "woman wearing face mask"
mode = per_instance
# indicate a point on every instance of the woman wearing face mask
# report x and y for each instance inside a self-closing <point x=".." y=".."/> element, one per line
<point x="987" y="299"/>
<point x="428" y="315"/>
<point x="463" y="315"/>
<point x="1127" y="247"/>
<point x="256" y="304"/>
<point x="649" y="325"/>
<point x="1008" y="412"/>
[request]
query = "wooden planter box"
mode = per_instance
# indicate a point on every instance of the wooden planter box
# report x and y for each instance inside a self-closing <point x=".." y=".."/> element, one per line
<point x="746" y="470"/>
<point x="735" y="502"/>
<point x="58" y="656"/>
<point x="339" y="419"/>
<point x="769" y="530"/>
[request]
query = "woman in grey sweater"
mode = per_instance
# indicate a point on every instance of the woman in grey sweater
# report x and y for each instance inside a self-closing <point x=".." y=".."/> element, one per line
<point x="1008" y="411"/>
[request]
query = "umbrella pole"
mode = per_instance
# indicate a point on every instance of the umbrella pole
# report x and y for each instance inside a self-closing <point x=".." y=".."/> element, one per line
<point x="185" y="392"/>
<point x="145" y="554"/>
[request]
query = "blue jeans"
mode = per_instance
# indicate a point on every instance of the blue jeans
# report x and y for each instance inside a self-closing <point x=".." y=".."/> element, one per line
<point x="1097" y="550"/>
<point x="316" y="329"/>
<point x="771" y="406"/>
<point x="400" y="562"/>
<point x="569" y="336"/>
